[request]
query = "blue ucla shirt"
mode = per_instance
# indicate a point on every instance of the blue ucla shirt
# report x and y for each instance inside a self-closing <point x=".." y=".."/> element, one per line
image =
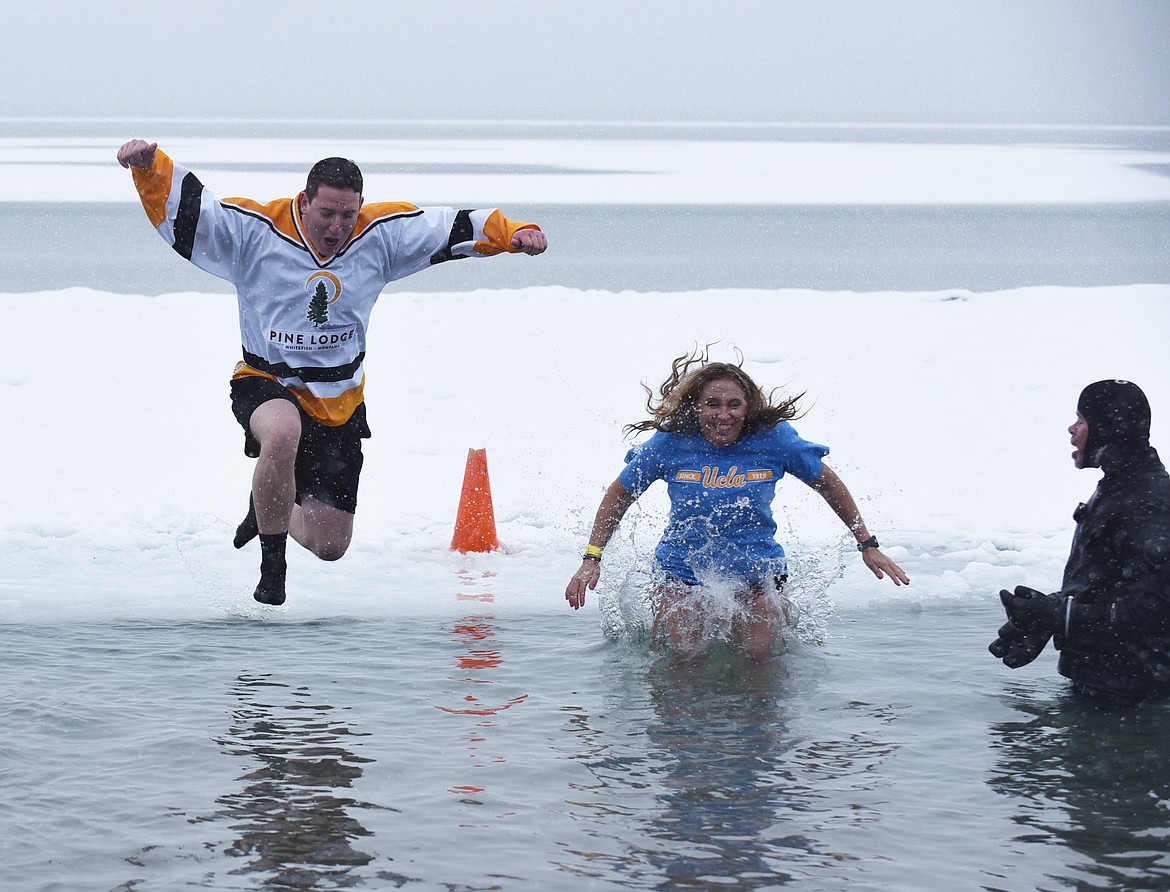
<point x="721" y="499"/>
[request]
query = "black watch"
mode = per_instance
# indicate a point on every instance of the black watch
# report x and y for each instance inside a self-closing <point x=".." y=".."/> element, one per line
<point x="871" y="542"/>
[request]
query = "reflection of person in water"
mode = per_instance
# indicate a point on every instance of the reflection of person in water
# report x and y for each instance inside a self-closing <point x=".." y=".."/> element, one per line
<point x="726" y="790"/>
<point x="728" y="778"/>
<point x="1093" y="780"/>
<point x="1111" y="618"/>
<point x="290" y="822"/>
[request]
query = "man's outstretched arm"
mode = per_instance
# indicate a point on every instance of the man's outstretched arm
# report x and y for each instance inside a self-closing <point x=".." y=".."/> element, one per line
<point x="137" y="153"/>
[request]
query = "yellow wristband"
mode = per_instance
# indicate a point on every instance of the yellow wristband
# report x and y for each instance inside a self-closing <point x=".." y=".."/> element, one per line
<point x="593" y="551"/>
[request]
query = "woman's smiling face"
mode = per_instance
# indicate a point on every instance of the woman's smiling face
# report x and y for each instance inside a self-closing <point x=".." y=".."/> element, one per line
<point x="722" y="411"/>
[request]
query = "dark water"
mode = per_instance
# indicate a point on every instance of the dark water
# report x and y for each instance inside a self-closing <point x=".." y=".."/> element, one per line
<point x="507" y="749"/>
<point x="111" y="247"/>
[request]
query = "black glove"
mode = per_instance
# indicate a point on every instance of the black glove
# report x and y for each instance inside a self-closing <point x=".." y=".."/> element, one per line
<point x="1032" y="618"/>
<point x="1017" y="648"/>
<point x="1031" y="611"/>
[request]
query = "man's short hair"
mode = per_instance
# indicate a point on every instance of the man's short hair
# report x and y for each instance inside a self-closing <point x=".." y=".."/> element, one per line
<point x="340" y="173"/>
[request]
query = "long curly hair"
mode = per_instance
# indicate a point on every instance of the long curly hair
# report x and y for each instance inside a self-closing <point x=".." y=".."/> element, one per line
<point x="675" y="408"/>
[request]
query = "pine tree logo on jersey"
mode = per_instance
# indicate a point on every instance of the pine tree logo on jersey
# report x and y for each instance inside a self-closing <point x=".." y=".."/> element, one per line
<point x="319" y="306"/>
<point x="324" y="289"/>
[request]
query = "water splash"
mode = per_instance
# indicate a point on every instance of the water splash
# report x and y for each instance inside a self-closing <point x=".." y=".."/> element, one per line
<point x="631" y="612"/>
<point x="811" y="573"/>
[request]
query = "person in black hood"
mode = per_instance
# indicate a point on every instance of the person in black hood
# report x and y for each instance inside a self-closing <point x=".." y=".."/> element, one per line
<point x="1111" y="618"/>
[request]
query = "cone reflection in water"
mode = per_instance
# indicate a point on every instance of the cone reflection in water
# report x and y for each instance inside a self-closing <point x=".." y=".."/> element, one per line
<point x="475" y="524"/>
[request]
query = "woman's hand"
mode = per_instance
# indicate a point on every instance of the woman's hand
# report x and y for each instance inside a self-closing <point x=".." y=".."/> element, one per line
<point x="614" y="505"/>
<point x="584" y="579"/>
<point x="881" y="566"/>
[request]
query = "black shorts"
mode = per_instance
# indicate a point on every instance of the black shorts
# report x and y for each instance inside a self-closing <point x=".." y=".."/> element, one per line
<point x="329" y="460"/>
<point x="747" y="593"/>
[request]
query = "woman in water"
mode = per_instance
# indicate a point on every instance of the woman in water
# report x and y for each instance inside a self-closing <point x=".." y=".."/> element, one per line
<point x="721" y="444"/>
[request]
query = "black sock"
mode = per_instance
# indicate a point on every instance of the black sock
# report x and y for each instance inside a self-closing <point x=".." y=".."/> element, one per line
<point x="270" y="589"/>
<point x="247" y="530"/>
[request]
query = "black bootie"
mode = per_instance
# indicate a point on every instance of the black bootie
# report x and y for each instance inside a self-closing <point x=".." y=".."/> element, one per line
<point x="270" y="589"/>
<point x="248" y="529"/>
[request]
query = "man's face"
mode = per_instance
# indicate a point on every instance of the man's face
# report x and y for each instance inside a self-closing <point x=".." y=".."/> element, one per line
<point x="1079" y="431"/>
<point x="330" y="217"/>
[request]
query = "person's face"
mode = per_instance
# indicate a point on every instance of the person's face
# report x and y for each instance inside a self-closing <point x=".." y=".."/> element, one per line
<point x="722" y="410"/>
<point x="1079" y="431"/>
<point x="330" y="217"/>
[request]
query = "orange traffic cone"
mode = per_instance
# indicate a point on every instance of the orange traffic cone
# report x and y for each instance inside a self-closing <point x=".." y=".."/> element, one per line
<point x="475" y="524"/>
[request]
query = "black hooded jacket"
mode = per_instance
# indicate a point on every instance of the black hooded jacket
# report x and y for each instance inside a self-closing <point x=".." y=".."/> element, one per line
<point x="1116" y="631"/>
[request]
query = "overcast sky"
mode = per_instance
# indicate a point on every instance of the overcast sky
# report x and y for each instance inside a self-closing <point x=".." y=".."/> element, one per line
<point x="945" y="61"/>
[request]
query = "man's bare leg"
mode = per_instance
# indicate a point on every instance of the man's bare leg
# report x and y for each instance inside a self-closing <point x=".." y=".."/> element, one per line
<point x="273" y="512"/>
<point x="324" y="530"/>
<point x="276" y="424"/>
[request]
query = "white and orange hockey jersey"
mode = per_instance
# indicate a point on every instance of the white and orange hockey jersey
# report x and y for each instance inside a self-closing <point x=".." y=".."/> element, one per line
<point x="303" y="318"/>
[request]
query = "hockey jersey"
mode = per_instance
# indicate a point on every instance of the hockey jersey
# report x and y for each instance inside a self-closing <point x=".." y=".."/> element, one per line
<point x="304" y="317"/>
